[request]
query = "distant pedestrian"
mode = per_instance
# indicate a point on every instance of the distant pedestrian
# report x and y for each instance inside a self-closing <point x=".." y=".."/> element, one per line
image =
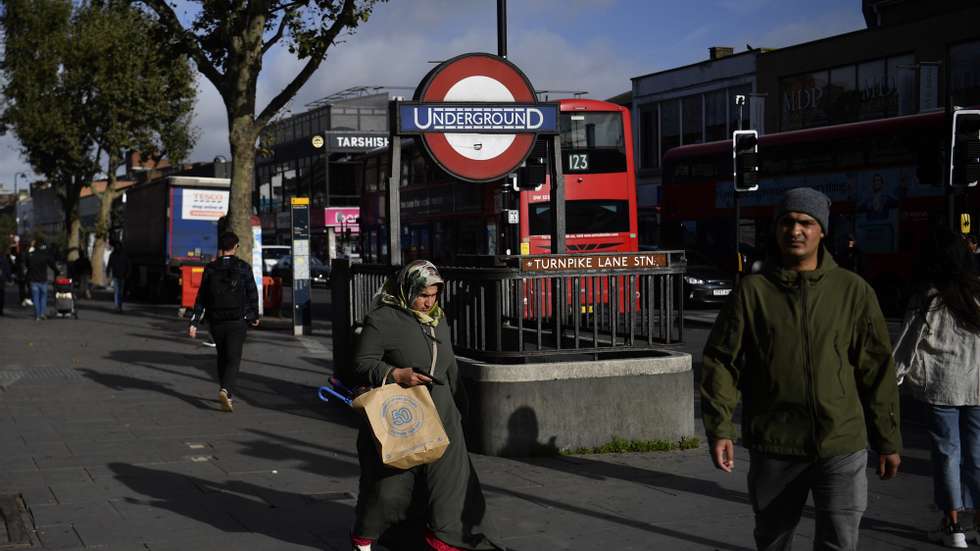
<point x="6" y="275"/>
<point x="20" y="274"/>
<point x="81" y="273"/>
<point x="404" y="330"/>
<point x="39" y="260"/>
<point x="119" y="269"/>
<point x="229" y="300"/>
<point x="937" y="356"/>
<point x="805" y="345"/>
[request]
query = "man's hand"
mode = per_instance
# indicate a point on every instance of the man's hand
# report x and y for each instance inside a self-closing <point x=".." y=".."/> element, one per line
<point x="723" y="454"/>
<point x="192" y="332"/>
<point x="888" y="465"/>
<point x="407" y="377"/>
<point x="255" y="323"/>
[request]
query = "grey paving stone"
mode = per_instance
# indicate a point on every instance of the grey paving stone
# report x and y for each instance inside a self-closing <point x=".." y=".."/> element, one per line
<point x="59" y="537"/>
<point x="54" y="514"/>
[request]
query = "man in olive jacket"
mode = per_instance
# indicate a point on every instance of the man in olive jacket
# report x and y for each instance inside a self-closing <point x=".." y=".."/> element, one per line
<point x="805" y="344"/>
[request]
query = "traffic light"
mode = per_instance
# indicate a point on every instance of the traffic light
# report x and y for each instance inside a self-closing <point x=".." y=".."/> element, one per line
<point x="531" y="176"/>
<point x="964" y="159"/>
<point x="745" y="153"/>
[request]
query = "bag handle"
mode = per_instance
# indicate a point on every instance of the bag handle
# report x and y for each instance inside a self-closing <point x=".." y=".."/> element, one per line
<point x="435" y="350"/>
<point x="385" y="378"/>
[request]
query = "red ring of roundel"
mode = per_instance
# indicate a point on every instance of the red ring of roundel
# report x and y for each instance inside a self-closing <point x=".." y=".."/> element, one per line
<point x="438" y="146"/>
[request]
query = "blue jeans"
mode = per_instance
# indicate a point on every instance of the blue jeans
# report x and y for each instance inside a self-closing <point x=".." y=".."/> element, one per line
<point x="955" y="435"/>
<point x="39" y="294"/>
<point x="118" y="290"/>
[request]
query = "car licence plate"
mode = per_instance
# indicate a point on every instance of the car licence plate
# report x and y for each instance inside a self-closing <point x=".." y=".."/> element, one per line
<point x="721" y="292"/>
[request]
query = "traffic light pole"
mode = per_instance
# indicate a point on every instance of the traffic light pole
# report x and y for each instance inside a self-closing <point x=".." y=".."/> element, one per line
<point x="740" y="101"/>
<point x="947" y="183"/>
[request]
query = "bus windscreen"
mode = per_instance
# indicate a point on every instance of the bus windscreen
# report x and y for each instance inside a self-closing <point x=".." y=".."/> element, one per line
<point x="582" y="217"/>
<point x="592" y="143"/>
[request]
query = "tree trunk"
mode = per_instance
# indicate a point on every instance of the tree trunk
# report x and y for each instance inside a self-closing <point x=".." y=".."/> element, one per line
<point x="242" y="137"/>
<point x="74" y="236"/>
<point x="102" y="225"/>
<point x="73" y="224"/>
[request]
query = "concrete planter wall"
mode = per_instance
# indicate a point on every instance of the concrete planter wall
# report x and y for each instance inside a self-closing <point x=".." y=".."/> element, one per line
<point x="536" y="409"/>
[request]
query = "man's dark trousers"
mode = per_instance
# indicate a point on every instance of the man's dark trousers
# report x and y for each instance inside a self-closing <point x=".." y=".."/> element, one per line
<point x="778" y="489"/>
<point x="229" y="339"/>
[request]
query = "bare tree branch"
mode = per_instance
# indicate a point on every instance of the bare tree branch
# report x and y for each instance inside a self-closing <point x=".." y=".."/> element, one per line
<point x="169" y="20"/>
<point x="344" y="18"/>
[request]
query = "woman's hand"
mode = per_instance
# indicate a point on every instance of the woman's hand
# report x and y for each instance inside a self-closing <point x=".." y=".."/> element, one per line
<point x="407" y="377"/>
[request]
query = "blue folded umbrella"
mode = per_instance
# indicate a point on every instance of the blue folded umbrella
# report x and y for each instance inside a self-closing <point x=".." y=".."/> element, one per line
<point x="330" y="390"/>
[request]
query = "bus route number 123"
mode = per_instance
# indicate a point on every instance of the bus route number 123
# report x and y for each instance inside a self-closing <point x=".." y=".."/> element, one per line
<point x="578" y="161"/>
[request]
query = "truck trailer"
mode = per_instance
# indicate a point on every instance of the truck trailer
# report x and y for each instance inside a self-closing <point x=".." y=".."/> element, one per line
<point x="170" y="223"/>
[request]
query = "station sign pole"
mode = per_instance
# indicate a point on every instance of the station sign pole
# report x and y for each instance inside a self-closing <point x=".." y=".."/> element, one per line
<point x="302" y="298"/>
<point x="394" y="201"/>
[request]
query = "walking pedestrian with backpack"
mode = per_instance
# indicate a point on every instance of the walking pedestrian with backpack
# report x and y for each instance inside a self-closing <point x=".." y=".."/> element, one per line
<point x="229" y="299"/>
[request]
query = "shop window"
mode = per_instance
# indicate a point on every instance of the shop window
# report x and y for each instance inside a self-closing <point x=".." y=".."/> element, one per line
<point x="649" y="137"/>
<point x="843" y="97"/>
<point x="670" y="125"/>
<point x="693" y="119"/>
<point x="965" y="73"/>
<point x="715" y="116"/>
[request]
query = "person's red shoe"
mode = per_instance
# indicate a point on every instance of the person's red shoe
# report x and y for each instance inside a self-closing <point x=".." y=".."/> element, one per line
<point x="436" y="544"/>
<point x="361" y="544"/>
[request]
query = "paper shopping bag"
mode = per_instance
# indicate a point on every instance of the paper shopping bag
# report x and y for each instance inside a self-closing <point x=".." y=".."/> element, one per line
<point x="406" y="425"/>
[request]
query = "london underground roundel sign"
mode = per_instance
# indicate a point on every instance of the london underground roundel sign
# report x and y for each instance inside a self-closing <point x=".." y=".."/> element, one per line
<point x="478" y="116"/>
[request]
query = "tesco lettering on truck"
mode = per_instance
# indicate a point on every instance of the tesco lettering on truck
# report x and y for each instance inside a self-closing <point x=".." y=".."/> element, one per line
<point x="204" y="204"/>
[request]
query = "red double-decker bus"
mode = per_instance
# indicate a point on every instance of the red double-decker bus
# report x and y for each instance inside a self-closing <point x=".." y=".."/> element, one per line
<point x="600" y="183"/>
<point x="884" y="178"/>
<point x="443" y="218"/>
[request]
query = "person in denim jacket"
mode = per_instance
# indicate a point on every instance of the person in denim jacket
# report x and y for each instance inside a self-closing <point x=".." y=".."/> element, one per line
<point x="937" y="357"/>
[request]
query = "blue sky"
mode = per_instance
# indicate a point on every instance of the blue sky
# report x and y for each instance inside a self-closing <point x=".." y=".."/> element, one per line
<point x="592" y="45"/>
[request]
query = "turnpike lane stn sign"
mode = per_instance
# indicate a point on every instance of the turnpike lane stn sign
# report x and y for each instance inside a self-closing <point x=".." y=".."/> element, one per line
<point x="605" y="262"/>
<point x="477" y="116"/>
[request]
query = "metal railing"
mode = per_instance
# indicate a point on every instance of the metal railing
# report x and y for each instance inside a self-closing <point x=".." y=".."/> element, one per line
<point x="502" y="314"/>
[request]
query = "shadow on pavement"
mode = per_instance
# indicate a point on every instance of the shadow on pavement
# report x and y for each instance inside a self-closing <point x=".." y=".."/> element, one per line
<point x="233" y="506"/>
<point x="255" y="390"/>
<point x="523" y="425"/>
<point x="124" y="382"/>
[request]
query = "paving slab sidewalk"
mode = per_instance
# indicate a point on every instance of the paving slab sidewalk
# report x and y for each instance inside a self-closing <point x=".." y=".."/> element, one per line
<point x="114" y="439"/>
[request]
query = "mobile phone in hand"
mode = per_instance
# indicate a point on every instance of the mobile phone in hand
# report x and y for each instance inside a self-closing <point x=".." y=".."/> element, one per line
<point x="435" y="381"/>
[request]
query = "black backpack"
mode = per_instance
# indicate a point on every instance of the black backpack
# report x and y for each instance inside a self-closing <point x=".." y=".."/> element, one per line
<point x="227" y="293"/>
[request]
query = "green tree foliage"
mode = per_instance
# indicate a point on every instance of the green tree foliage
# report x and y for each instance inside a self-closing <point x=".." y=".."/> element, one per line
<point x="85" y="82"/>
<point x="43" y="99"/>
<point x="228" y="39"/>
<point x="141" y="96"/>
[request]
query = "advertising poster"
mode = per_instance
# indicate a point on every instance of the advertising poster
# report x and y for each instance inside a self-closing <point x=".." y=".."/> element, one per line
<point x="203" y="204"/>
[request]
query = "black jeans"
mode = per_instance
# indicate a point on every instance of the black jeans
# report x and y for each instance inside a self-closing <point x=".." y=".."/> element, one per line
<point x="229" y="339"/>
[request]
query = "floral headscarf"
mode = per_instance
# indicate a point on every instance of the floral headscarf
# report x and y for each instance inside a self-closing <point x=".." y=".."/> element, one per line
<point x="403" y="288"/>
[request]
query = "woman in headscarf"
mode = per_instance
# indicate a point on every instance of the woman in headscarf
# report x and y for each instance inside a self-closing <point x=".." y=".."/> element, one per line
<point x="405" y="337"/>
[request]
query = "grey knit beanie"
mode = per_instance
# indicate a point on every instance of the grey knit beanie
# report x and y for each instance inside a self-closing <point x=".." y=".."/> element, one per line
<point x="808" y="201"/>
